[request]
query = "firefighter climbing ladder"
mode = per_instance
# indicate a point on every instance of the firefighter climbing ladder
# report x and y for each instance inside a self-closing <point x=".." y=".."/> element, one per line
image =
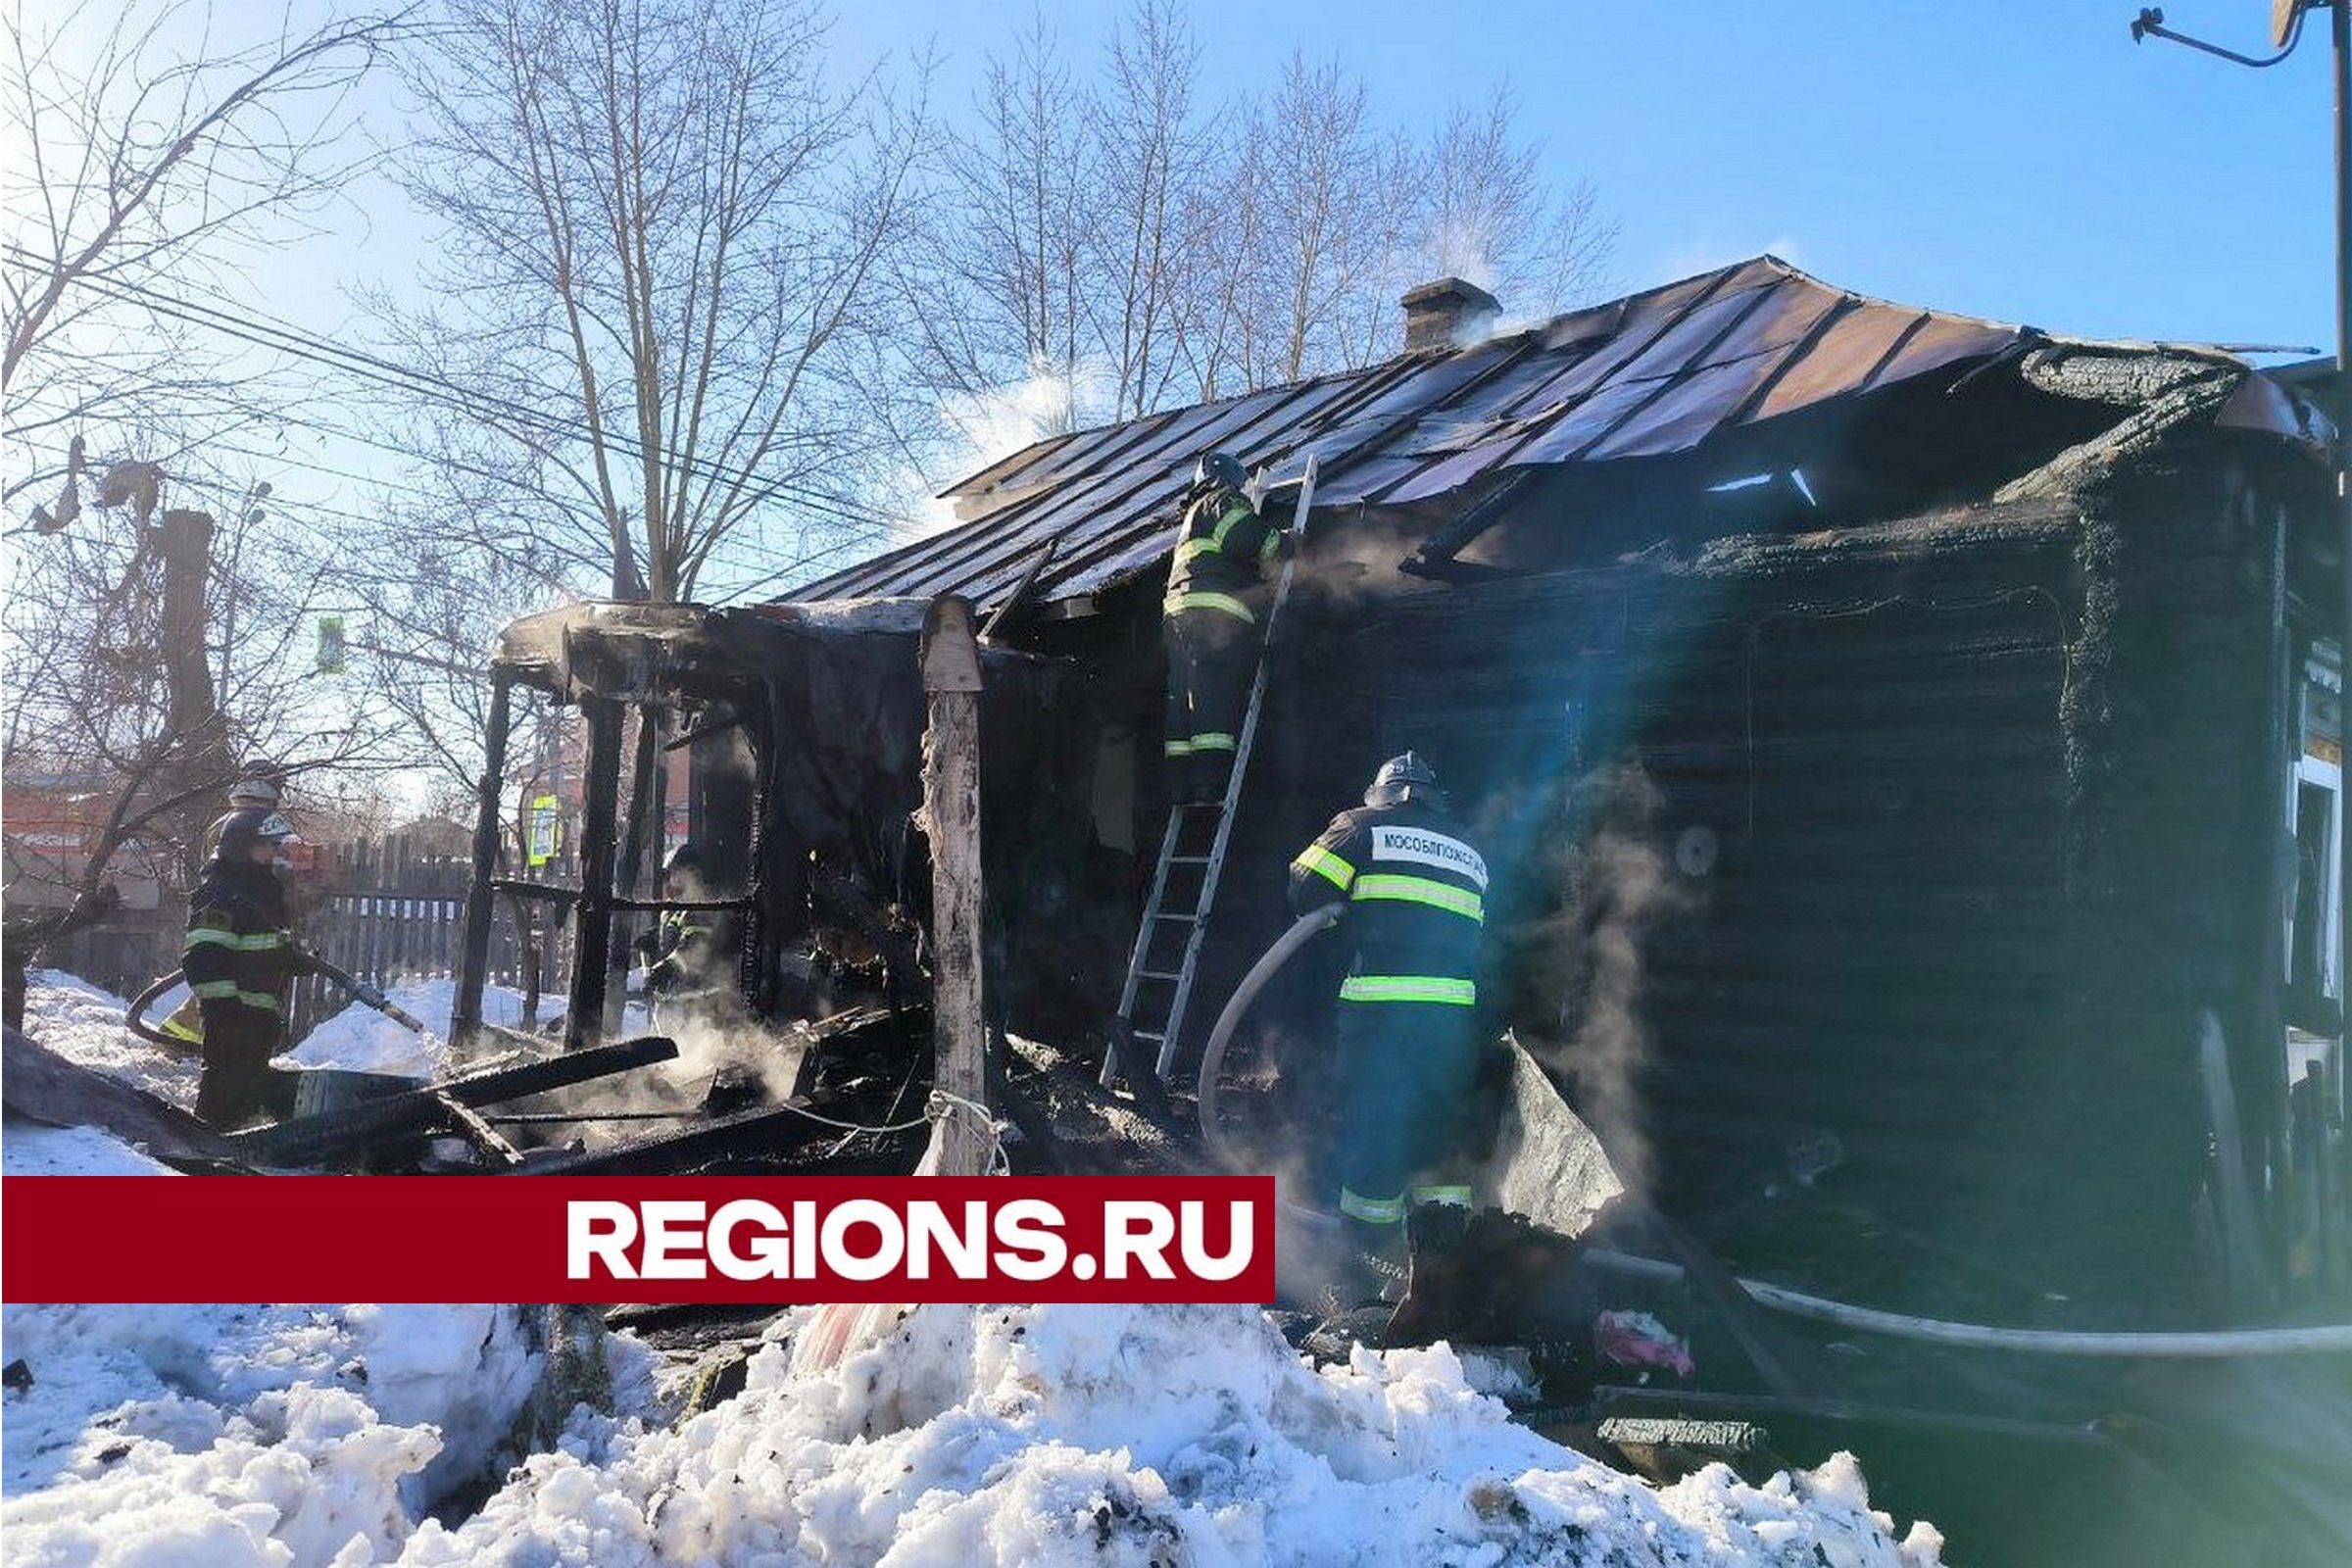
<point x="1192" y="854"/>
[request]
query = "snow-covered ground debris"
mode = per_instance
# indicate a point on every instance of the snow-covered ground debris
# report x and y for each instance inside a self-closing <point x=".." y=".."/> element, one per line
<point x="312" y="1438"/>
<point x="27" y="1148"/>
<point x="340" y="1437"/>
<point x="266" y="1435"/>
<point x="84" y="1025"/>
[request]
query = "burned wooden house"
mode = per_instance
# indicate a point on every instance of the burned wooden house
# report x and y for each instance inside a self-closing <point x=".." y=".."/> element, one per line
<point x="1909" y="748"/>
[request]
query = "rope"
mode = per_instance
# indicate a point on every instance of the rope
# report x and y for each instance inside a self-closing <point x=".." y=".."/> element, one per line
<point x="941" y="1102"/>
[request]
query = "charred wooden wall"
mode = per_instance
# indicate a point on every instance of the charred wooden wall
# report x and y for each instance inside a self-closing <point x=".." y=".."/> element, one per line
<point x="1865" y="886"/>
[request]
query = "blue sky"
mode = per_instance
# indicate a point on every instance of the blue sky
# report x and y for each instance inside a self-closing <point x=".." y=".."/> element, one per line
<point x="2016" y="159"/>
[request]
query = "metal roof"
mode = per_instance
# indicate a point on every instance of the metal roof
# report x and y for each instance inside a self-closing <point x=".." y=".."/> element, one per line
<point x="1654" y="373"/>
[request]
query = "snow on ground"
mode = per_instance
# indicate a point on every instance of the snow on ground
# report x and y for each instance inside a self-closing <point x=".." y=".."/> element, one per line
<point x="327" y="1437"/>
<point x="235" y="1435"/>
<point x="1068" y="1435"/>
<point x="32" y="1150"/>
<point x="316" y="1436"/>
<point x="84" y="1025"/>
<point x="360" y="1039"/>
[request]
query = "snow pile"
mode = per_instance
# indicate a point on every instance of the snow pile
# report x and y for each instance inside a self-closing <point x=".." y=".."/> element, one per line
<point x="84" y="1025"/>
<point x="308" y="1437"/>
<point x="360" y="1039"/>
<point x="1050" y="1434"/>
<point x="264" y="1434"/>
<point x="32" y="1150"/>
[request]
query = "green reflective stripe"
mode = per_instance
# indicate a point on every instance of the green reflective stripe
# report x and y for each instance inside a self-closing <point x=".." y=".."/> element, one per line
<point x="1231" y="517"/>
<point x="1409" y="988"/>
<point x="1422" y="890"/>
<point x="1456" y="1195"/>
<point x="1192" y="549"/>
<point x="1372" y="1211"/>
<point x="1272" y="547"/>
<point x="1320" y="861"/>
<point x="1212" y="601"/>
<point x="215" y="990"/>
<point x="1214" y="740"/>
<point x="265" y="1000"/>
<point x="214" y="936"/>
<point x="1176" y="748"/>
<point x="180" y="1031"/>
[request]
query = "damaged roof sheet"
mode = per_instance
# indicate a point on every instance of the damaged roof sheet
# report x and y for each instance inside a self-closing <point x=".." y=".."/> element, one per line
<point x="1651" y="374"/>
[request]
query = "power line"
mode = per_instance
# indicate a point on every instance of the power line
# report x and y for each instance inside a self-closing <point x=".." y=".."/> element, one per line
<point x="300" y="345"/>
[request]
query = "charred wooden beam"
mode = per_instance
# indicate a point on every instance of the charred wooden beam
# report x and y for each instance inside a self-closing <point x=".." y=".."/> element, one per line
<point x="778" y="1135"/>
<point x="850" y="904"/>
<point x="307" y="1138"/>
<point x="479" y="1133"/>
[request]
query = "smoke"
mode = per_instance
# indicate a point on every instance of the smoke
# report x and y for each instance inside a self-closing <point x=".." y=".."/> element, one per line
<point x="1620" y="884"/>
<point x="1462" y="246"/>
<point x="983" y="427"/>
<point x="731" y="1055"/>
<point x="1366" y="560"/>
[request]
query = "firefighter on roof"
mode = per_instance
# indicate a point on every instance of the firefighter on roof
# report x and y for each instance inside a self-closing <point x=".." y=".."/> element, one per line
<point x="1414" y="895"/>
<point x="1212" y="621"/>
<point x="239" y="959"/>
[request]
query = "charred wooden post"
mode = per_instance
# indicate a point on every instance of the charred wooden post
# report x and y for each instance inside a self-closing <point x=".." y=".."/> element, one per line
<point x="593" y="928"/>
<point x="473" y="963"/>
<point x="951" y="820"/>
<point x="645" y="822"/>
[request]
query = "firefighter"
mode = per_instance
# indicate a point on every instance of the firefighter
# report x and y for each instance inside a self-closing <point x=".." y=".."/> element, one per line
<point x="1212" y="623"/>
<point x="1412" y="891"/>
<point x="239" y="959"/>
<point x="686" y="945"/>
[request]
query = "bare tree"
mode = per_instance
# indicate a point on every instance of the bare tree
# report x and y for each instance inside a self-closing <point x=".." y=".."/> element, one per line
<point x="659" y="229"/>
<point x="1149" y="151"/>
<point x="1188" y="250"/>
<point x="1488" y="215"/>
<point x="144" y="174"/>
<point x="1020" y="239"/>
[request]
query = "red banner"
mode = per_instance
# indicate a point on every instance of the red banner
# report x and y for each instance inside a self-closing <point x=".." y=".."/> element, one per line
<point x="643" y="1239"/>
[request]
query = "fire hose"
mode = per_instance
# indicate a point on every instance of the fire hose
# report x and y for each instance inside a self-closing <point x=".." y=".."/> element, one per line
<point x="2317" y="1339"/>
<point x="1212" y="1055"/>
<point x="134" y="1017"/>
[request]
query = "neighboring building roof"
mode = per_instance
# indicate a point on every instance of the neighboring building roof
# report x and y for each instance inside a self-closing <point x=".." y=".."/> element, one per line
<point x="1649" y="375"/>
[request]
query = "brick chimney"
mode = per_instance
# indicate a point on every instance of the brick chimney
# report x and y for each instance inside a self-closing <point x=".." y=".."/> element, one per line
<point x="1447" y="313"/>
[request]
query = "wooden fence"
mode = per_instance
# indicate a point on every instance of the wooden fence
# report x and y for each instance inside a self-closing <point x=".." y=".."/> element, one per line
<point x="393" y="909"/>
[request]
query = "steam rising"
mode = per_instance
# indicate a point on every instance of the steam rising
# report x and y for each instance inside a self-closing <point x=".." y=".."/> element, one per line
<point x="1619" y="884"/>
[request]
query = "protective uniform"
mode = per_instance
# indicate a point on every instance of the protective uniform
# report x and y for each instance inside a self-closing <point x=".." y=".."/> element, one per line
<point x="1414" y="894"/>
<point x="688" y="945"/>
<point x="1212" y="620"/>
<point x="238" y="958"/>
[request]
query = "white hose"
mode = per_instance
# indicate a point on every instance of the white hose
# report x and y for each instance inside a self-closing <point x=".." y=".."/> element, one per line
<point x="2336" y="1337"/>
<point x="1213" y="1053"/>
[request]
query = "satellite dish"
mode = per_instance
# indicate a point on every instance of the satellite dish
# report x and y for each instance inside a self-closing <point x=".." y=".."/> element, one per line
<point x="2282" y="20"/>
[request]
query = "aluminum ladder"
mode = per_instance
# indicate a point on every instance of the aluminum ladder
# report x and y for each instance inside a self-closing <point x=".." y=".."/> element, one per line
<point x="1192" y="858"/>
